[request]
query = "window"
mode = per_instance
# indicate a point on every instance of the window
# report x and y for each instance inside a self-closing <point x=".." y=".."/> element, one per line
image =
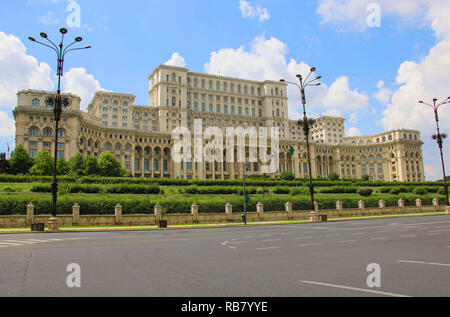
<point x="33" y="153"/>
<point x="35" y="102"/>
<point x="33" y="132"/>
<point x="105" y="101"/>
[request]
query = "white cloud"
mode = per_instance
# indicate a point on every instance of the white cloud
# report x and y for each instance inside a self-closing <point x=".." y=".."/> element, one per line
<point x="19" y="71"/>
<point x="49" y="19"/>
<point x="8" y="126"/>
<point x="352" y="14"/>
<point x="383" y="95"/>
<point x="353" y="131"/>
<point x="176" y="60"/>
<point x="78" y="82"/>
<point x="249" y="11"/>
<point x="265" y="59"/>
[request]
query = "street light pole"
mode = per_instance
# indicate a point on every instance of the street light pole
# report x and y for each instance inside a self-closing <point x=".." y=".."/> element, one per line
<point x="58" y="103"/>
<point x="439" y="137"/>
<point x="306" y="123"/>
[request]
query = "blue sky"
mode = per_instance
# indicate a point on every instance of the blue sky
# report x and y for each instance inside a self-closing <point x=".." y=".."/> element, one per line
<point x="265" y="39"/>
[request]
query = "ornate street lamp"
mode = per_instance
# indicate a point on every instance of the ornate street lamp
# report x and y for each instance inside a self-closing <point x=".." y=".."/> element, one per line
<point x="439" y="138"/>
<point x="58" y="103"/>
<point x="305" y="122"/>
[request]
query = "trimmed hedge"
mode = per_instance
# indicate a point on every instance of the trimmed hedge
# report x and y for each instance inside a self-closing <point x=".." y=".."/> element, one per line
<point x="104" y="205"/>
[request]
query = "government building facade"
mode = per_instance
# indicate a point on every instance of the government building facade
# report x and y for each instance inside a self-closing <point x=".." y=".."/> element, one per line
<point x="140" y="137"/>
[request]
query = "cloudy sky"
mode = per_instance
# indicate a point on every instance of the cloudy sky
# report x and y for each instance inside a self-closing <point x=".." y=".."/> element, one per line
<point x="375" y="67"/>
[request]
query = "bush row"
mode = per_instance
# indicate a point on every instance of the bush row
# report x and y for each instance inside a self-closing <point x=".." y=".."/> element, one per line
<point x="181" y="182"/>
<point x="67" y="188"/>
<point x="93" y="205"/>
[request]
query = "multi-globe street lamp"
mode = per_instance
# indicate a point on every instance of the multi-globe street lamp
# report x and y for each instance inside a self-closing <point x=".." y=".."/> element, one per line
<point x="305" y="122"/>
<point x="58" y="102"/>
<point x="439" y="137"/>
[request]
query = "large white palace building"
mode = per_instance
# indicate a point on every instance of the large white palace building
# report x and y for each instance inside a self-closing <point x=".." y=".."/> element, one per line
<point x="141" y="136"/>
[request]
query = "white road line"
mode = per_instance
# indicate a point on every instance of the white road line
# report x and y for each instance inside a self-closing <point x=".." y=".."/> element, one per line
<point x="440" y="230"/>
<point x="9" y="244"/>
<point x="434" y="234"/>
<point x="420" y="262"/>
<point x="359" y="233"/>
<point x="353" y="289"/>
<point x="271" y="240"/>
<point x="21" y="241"/>
<point x="239" y="242"/>
<point x="408" y="236"/>
<point x="346" y="241"/>
<point x="308" y="245"/>
<point x="271" y="248"/>
<point x="302" y="238"/>
<point x="380" y="238"/>
<point x="332" y="235"/>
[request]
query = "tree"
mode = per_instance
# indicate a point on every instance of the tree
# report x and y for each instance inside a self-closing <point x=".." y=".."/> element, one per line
<point x="43" y="164"/>
<point x="109" y="166"/>
<point x="62" y="167"/>
<point x="365" y="178"/>
<point x="333" y="176"/>
<point x="288" y="176"/>
<point x="20" y="162"/>
<point x="76" y="165"/>
<point x="91" y="166"/>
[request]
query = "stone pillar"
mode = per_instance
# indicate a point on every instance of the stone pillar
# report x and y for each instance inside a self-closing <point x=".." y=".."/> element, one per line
<point x="339" y="207"/>
<point x="194" y="212"/>
<point x="260" y="210"/>
<point x="30" y="213"/>
<point x="316" y="206"/>
<point x="361" y="204"/>
<point x="447" y="210"/>
<point x="229" y="211"/>
<point x="314" y="215"/>
<point x="53" y="224"/>
<point x="76" y="214"/>
<point x="118" y="214"/>
<point x="436" y="203"/>
<point x="419" y="204"/>
<point x="157" y="213"/>
<point x="288" y="206"/>
<point x="382" y="204"/>
<point x="401" y="203"/>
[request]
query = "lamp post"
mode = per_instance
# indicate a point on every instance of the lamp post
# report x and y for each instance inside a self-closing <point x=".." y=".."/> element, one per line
<point x="305" y="122"/>
<point x="439" y="137"/>
<point x="58" y="103"/>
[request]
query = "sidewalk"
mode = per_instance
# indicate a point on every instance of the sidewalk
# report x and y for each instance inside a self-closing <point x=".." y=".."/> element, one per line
<point x="213" y="225"/>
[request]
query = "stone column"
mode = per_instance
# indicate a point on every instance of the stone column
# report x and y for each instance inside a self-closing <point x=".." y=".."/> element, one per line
<point x="118" y="214"/>
<point x="157" y="213"/>
<point x="30" y="213"/>
<point x="401" y="203"/>
<point x="447" y="210"/>
<point x="194" y="212"/>
<point x="339" y="207"/>
<point x="229" y="211"/>
<point x="382" y="204"/>
<point x="76" y="214"/>
<point x="361" y="204"/>
<point x="419" y="204"/>
<point x="260" y="210"/>
<point x="53" y="224"/>
<point x="436" y="203"/>
<point x="314" y="215"/>
<point x="288" y="206"/>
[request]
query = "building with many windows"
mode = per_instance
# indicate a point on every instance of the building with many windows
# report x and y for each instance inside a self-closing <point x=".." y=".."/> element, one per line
<point x="141" y="136"/>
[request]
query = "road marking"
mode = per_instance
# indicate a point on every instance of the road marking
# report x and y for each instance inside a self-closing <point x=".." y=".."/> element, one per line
<point x="271" y="240"/>
<point x="308" y="245"/>
<point x="346" y="241"/>
<point x="434" y="234"/>
<point x="239" y="242"/>
<point x="353" y="289"/>
<point x="332" y="235"/>
<point x="440" y="230"/>
<point x="271" y="248"/>
<point x="302" y="238"/>
<point x="380" y="238"/>
<point x="20" y="241"/>
<point x="359" y="233"/>
<point x="420" y="262"/>
<point x="9" y="244"/>
<point x="408" y="236"/>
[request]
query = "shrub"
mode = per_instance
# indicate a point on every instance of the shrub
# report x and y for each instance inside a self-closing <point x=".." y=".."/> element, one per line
<point x="395" y="191"/>
<point x="420" y="191"/>
<point x="299" y="191"/>
<point x="441" y="191"/>
<point x="281" y="190"/>
<point x="288" y="176"/>
<point x="339" y="190"/>
<point x="365" y="192"/>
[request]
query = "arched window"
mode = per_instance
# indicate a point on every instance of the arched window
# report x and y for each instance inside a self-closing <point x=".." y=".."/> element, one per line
<point x="174" y="77"/>
<point x="34" y="132"/>
<point x="61" y="133"/>
<point x="48" y="133"/>
<point x="48" y="104"/>
<point x="35" y="102"/>
<point x="125" y="103"/>
<point x="232" y="110"/>
<point x="240" y="111"/>
<point x="105" y="101"/>
<point x="174" y="101"/>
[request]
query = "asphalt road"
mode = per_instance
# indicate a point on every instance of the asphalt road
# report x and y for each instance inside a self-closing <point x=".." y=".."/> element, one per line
<point x="301" y="260"/>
